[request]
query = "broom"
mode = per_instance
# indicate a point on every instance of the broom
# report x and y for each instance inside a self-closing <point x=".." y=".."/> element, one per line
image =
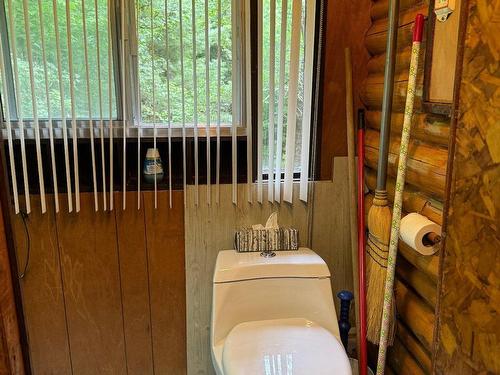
<point x="379" y="215"/>
<point x="386" y="323"/>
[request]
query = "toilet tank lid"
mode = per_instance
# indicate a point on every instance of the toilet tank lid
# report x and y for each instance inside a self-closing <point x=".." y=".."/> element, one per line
<point x="301" y="263"/>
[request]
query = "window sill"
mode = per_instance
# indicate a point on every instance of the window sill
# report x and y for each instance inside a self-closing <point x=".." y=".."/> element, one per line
<point x="83" y="131"/>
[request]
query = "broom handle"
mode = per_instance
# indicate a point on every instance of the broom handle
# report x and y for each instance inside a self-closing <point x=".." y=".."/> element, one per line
<point x="363" y="357"/>
<point x="385" y="121"/>
<point x="398" y="197"/>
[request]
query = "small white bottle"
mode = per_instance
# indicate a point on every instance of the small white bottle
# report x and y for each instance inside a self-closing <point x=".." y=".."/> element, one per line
<point x="153" y="165"/>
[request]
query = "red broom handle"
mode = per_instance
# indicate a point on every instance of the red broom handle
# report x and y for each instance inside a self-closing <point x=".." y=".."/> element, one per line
<point x="363" y="357"/>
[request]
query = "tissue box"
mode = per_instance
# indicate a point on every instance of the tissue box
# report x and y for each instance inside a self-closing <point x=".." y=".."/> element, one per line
<point x="270" y="239"/>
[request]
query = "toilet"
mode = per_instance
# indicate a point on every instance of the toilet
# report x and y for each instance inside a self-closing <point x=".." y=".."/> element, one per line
<point x="275" y="316"/>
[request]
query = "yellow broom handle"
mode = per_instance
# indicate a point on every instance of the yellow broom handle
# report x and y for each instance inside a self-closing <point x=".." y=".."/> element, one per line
<point x="398" y="197"/>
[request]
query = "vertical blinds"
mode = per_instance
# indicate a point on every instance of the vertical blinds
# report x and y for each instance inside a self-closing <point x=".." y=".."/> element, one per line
<point x="174" y="68"/>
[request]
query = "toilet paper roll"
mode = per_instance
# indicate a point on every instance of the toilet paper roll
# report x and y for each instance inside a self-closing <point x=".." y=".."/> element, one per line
<point x="414" y="228"/>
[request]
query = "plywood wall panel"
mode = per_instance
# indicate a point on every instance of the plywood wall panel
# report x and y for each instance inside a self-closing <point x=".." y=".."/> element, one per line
<point x="42" y="289"/>
<point x="91" y="281"/>
<point x="468" y="334"/>
<point x="134" y="277"/>
<point x="167" y="282"/>
<point x="330" y="226"/>
<point x="211" y="229"/>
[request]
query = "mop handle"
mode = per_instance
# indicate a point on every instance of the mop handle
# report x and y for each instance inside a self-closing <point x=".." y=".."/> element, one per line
<point x="398" y="197"/>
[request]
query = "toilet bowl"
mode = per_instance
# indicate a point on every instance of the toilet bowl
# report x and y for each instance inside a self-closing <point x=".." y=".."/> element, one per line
<point x="274" y="315"/>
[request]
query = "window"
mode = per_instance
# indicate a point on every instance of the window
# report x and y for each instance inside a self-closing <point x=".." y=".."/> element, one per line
<point x="235" y="71"/>
<point x="164" y="64"/>
<point x="48" y="29"/>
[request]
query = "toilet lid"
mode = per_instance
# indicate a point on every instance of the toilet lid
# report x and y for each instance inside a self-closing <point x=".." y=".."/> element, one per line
<point x="283" y="347"/>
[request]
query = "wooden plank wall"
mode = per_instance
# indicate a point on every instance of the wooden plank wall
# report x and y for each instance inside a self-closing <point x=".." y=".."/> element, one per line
<point x="11" y="358"/>
<point x="211" y="229"/>
<point x="469" y="328"/>
<point x="105" y="291"/>
<point x="346" y="25"/>
<point x="416" y="284"/>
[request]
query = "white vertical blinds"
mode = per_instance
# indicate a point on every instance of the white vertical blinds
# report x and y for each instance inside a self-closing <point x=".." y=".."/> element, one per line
<point x="4" y="91"/>
<point x="248" y="96"/>
<point x="272" y="57"/>
<point x="73" y="109"/>
<point x="101" y="117"/>
<point x="184" y="70"/>
<point x="89" y="103"/>
<point x="35" y="108"/>
<point x="63" y="105"/>
<point x="281" y="101"/>
<point x="260" y="97"/>
<point x="19" y="107"/>
<point x="308" y="88"/>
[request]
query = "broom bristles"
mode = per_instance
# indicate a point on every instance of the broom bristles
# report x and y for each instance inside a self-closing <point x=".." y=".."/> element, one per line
<point x="377" y="247"/>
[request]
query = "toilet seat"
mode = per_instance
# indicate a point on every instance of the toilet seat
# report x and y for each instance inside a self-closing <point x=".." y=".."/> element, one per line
<point x="293" y="346"/>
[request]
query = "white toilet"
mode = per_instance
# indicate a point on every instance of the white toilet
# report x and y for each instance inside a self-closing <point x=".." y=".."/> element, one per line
<point x="275" y="316"/>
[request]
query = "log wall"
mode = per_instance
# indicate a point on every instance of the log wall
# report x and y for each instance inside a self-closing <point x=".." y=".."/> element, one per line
<point x="416" y="275"/>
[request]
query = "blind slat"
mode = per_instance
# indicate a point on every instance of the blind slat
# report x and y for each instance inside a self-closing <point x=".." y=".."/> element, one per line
<point x="281" y="102"/>
<point x="9" y="129"/>
<point x="272" y="47"/>
<point x="195" y="102"/>
<point x="207" y="85"/>
<point x="235" y="103"/>
<point x="181" y="46"/>
<point x="260" y="98"/>
<point x="124" y="107"/>
<point x="308" y="87"/>
<point x="153" y="89"/>
<point x="138" y="118"/>
<point x="101" y="122"/>
<point x="219" y="26"/>
<point x="110" y="77"/>
<point x="169" y="123"/>
<point x="89" y="104"/>
<point x="248" y="96"/>
<point x="73" y="112"/>
<point x="292" y="100"/>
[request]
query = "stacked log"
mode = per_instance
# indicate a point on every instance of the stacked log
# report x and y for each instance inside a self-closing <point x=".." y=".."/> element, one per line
<point x="416" y="275"/>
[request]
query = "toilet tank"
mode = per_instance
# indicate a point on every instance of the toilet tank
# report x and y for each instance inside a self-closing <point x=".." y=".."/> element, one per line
<point x="250" y="287"/>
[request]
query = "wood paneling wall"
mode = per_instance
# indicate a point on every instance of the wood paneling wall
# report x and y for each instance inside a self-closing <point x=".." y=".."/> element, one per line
<point x="469" y="327"/>
<point x="346" y="23"/>
<point x="11" y="358"/>
<point x="211" y="229"/>
<point x="105" y="291"/>
<point x="416" y="275"/>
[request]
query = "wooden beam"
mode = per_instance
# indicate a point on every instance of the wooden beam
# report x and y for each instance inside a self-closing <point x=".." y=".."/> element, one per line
<point x="427" y="128"/>
<point x="418" y="280"/>
<point x="401" y="360"/>
<point x="413" y="199"/>
<point x="421" y="355"/>
<point x="426" y="167"/>
<point x="415" y="313"/>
